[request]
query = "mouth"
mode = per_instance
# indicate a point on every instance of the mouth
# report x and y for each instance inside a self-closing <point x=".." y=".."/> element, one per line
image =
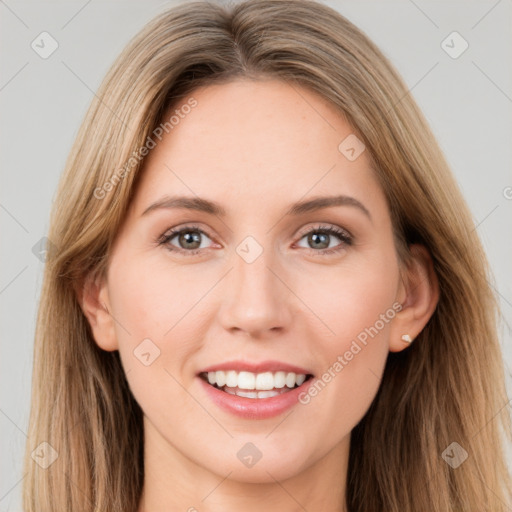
<point x="255" y="385"/>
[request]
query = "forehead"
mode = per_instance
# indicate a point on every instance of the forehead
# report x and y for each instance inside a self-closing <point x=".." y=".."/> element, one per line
<point x="248" y="141"/>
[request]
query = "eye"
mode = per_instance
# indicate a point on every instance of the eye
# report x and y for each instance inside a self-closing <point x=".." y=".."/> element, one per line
<point x="188" y="239"/>
<point x="321" y="237"/>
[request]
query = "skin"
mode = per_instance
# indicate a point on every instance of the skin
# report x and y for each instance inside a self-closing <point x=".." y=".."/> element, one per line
<point x="256" y="147"/>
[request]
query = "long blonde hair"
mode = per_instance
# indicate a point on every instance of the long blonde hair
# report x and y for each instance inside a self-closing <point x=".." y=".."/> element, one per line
<point x="447" y="387"/>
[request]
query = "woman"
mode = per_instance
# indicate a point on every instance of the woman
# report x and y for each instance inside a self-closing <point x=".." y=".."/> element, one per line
<point x="328" y="341"/>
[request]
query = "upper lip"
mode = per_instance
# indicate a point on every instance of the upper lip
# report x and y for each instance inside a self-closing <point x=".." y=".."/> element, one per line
<point x="261" y="367"/>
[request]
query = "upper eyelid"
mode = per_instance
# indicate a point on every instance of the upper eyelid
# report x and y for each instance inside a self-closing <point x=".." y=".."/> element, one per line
<point x="175" y="231"/>
<point x="325" y="227"/>
<point x="302" y="231"/>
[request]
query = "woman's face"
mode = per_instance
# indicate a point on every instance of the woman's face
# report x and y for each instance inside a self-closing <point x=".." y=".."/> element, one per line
<point x="255" y="281"/>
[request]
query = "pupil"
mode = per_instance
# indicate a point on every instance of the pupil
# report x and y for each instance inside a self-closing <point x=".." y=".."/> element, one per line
<point x="188" y="238"/>
<point x="322" y="238"/>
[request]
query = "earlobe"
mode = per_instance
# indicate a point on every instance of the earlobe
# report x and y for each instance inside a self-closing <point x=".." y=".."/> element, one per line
<point x="420" y="292"/>
<point x="92" y="294"/>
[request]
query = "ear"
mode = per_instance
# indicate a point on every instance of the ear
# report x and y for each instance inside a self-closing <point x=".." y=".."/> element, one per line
<point x="418" y="294"/>
<point x="92" y="294"/>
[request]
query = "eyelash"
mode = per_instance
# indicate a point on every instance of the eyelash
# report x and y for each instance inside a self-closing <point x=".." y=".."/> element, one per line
<point x="342" y="234"/>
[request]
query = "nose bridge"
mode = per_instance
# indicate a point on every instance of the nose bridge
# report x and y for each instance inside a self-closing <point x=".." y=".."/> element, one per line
<point x="255" y="298"/>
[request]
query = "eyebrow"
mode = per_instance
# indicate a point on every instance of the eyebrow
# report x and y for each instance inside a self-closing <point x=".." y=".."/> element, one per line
<point x="213" y="208"/>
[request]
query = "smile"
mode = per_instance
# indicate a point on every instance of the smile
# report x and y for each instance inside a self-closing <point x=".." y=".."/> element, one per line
<point x="255" y="385"/>
<point x="251" y="395"/>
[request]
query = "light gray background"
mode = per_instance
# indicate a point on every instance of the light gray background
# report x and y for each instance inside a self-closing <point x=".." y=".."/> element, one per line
<point x="468" y="102"/>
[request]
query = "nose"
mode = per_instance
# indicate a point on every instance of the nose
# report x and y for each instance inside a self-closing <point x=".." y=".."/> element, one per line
<point x="256" y="299"/>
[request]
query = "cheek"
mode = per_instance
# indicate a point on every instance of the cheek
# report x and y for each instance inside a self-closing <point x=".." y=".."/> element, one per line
<point x="352" y="297"/>
<point x="356" y="304"/>
<point x="152" y="298"/>
<point x="152" y="306"/>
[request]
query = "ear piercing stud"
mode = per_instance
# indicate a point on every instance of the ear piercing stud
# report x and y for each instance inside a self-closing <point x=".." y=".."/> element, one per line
<point x="406" y="338"/>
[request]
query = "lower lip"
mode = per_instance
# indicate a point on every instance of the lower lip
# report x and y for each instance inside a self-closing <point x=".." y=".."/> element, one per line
<point x="255" y="408"/>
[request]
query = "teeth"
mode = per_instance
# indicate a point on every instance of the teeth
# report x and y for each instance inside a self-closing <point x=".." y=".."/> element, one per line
<point x="252" y="394"/>
<point x="255" y="381"/>
<point x="246" y="380"/>
<point x="220" y="379"/>
<point x="279" y="380"/>
<point x="299" y="379"/>
<point x="265" y="381"/>
<point x="231" y="379"/>
<point x="248" y="394"/>
<point x="290" y="380"/>
<point x="267" y="394"/>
